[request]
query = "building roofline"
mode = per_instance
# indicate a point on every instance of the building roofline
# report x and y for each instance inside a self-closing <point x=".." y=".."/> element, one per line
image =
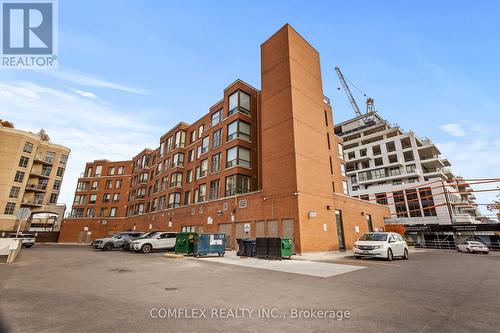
<point x="373" y="113"/>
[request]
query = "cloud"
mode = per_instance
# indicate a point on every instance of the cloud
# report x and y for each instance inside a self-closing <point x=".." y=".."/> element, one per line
<point x="83" y="93"/>
<point x="91" y="128"/>
<point x="453" y="129"/>
<point x="474" y="154"/>
<point x="92" y="81"/>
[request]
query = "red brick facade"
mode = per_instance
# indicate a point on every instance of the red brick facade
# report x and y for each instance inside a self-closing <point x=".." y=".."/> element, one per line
<point x="284" y="180"/>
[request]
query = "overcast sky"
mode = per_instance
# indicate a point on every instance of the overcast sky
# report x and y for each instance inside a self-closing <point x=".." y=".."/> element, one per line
<point x="129" y="70"/>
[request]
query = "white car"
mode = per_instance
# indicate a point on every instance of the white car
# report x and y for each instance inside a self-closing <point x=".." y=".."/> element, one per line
<point x="160" y="241"/>
<point x="473" y="246"/>
<point x="385" y="245"/>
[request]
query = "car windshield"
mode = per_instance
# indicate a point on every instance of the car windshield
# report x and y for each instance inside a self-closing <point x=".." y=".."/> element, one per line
<point x="374" y="237"/>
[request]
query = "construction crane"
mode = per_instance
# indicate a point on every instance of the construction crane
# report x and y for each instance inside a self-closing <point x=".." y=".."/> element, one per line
<point x="370" y="106"/>
<point x="348" y="92"/>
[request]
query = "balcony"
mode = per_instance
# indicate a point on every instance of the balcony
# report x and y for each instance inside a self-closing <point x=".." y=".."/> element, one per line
<point x="48" y="160"/>
<point x="32" y="202"/>
<point x="40" y="174"/>
<point x="36" y="187"/>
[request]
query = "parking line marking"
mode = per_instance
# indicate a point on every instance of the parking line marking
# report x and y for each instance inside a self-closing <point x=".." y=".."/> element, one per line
<point x="367" y="262"/>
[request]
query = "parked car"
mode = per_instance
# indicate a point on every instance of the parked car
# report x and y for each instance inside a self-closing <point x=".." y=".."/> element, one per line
<point x="385" y="245"/>
<point x="149" y="234"/>
<point x="114" y="242"/>
<point x="28" y="239"/>
<point x="159" y="241"/>
<point x="473" y="247"/>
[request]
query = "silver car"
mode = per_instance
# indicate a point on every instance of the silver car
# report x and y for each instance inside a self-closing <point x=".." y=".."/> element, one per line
<point x="114" y="242"/>
<point x="473" y="247"/>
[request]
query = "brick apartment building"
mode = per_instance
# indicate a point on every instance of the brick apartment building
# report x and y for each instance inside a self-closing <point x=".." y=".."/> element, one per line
<point x="260" y="163"/>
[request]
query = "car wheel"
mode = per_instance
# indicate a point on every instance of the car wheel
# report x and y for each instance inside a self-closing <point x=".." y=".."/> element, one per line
<point x="468" y="250"/>
<point x="28" y="246"/>
<point x="146" y="248"/>
<point x="405" y="254"/>
<point x="389" y="255"/>
<point x="107" y="247"/>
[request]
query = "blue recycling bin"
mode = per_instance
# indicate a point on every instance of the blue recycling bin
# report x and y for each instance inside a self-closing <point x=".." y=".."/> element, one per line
<point x="209" y="244"/>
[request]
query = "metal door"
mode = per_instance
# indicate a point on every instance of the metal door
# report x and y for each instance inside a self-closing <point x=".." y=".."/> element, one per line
<point x="260" y="229"/>
<point x="340" y="230"/>
<point x="272" y="228"/>
<point x="226" y="228"/>
<point x="81" y="235"/>
<point x="288" y="230"/>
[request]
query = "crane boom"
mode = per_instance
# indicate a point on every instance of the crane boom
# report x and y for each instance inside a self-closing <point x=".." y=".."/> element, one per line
<point x="348" y="92"/>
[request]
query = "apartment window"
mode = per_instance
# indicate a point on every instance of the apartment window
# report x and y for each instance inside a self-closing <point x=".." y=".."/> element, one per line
<point x="120" y="170"/>
<point x="342" y="169"/>
<point x="341" y="151"/>
<point x="376" y="150"/>
<point x="204" y="145"/>
<point x="394" y="171"/>
<point x="90" y="212"/>
<point x="217" y="138"/>
<point x="198" y="152"/>
<point x="189" y="176"/>
<point x="53" y="198"/>
<point x="118" y="183"/>
<point x="238" y="129"/>
<point x="64" y="159"/>
<point x="195" y="195"/>
<point x="89" y="172"/>
<point x="109" y="184"/>
<point x="106" y="197"/>
<point x="162" y="148"/>
<point x="95" y="185"/>
<point x="365" y="164"/>
<point x="190" y="156"/>
<point x="178" y="160"/>
<point x="363" y="152"/>
<point x="180" y="139"/>
<point x="202" y="170"/>
<point x="216" y="117"/>
<point x="9" y="208"/>
<point x="46" y="170"/>
<point x="381" y="198"/>
<point x="92" y="198"/>
<point x="400" y="204"/>
<point x="378" y="161"/>
<point x="326" y="119"/>
<point x="112" y="212"/>
<point x="163" y="185"/>
<point x="411" y="168"/>
<point x="19" y="176"/>
<point x="238" y="156"/>
<point x="215" y="165"/>
<point x="174" y="200"/>
<point x="60" y="172"/>
<point x="201" y="128"/>
<point x="413" y="180"/>
<point x="393" y="158"/>
<point x="23" y="161"/>
<point x="14" y="192"/>
<point x="239" y="102"/>
<point x="397" y="182"/>
<point x="79" y="199"/>
<point x="98" y="170"/>
<point x="214" y="190"/>
<point x="176" y="179"/>
<point x="187" y="197"/>
<point x="351" y="155"/>
<point x="192" y="136"/>
<point x="116" y="196"/>
<point x="378" y="173"/>
<point x="408" y="156"/>
<point x="390" y="146"/>
<point x="413" y="203"/>
<point x="111" y="171"/>
<point x="189" y="228"/>
<point x="168" y="144"/>
<point x="427" y="201"/>
<point x="365" y="197"/>
<point x="57" y="185"/>
<point x="354" y="179"/>
<point x="237" y="184"/>
<point x="369" y="222"/>
<point x="28" y="147"/>
<point x="345" y="187"/>
<point x="202" y="193"/>
<point x="362" y="176"/>
<point x="405" y="143"/>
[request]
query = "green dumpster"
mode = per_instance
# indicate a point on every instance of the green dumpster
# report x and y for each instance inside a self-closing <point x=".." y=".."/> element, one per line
<point x="184" y="242"/>
<point x="286" y="248"/>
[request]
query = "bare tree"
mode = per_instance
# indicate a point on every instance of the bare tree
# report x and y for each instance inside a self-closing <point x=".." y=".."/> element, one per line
<point x="43" y="135"/>
<point x="6" y="123"/>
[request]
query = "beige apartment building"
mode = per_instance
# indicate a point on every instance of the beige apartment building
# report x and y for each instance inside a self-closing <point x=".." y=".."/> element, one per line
<point x="31" y="173"/>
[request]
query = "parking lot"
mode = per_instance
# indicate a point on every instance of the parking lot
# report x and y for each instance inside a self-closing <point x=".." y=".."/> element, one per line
<point x="57" y="288"/>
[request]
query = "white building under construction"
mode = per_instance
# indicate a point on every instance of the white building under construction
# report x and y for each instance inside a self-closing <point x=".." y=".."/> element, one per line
<point x="387" y="165"/>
